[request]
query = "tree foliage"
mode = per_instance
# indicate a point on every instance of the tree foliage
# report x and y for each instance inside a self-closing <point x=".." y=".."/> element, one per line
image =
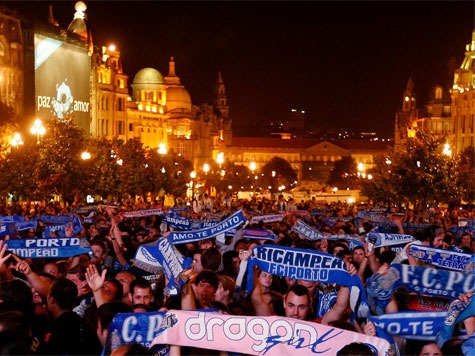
<point x="278" y="173"/>
<point x="344" y="174"/>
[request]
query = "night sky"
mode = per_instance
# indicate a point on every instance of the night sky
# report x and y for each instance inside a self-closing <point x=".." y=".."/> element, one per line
<point x="345" y="63"/>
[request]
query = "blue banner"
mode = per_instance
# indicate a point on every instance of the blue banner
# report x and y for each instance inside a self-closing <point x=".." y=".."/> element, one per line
<point x="26" y="225"/>
<point x="267" y="218"/>
<point x="11" y="218"/>
<point x="139" y="328"/>
<point x="307" y="231"/>
<point x="52" y="247"/>
<point x="56" y="219"/>
<point x="232" y="222"/>
<point x="411" y="325"/>
<point x="178" y="222"/>
<point x="379" y="239"/>
<point x="306" y="265"/>
<point x="452" y="260"/>
<point x="7" y="229"/>
<point x="259" y="234"/>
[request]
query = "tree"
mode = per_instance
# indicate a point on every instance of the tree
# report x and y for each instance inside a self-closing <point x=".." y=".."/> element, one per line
<point x="278" y="175"/>
<point x="466" y="177"/>
<point x="421" y="174"/>
<point x="59" y="160"/>
<point x="344" y="174"/>
<point x="131" y="156"/>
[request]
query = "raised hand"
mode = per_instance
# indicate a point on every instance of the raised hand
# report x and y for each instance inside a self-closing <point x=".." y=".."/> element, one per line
<point x="94" y="279"/>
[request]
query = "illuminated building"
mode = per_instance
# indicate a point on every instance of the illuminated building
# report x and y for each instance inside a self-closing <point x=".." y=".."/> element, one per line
<point x="11" y="61"/>
<point x="463" y="101"/>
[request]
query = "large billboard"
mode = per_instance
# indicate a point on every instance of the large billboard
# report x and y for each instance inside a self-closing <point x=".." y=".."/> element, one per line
<point x="62" y="85"/>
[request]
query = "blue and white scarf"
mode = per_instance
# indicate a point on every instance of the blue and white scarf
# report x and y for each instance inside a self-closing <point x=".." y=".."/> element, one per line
<point x="26" y="225"/>
<point x="458" y="311"/>
<point x="452" y="260"/>
<point x="259" y="234"/>
<point x="232" y="222"/>
<point x="426" y="281"/>
<point x="143" y="213"/>
<point x="267" y="218"/>
<point x="45" y="248"/>
<point x="411" y="325"/>
<point x="379" y="239"/>
<point x="11" y="218"/>
<point x="178" y="222"/>
<point x="310" y="266"/>
<point x="55" y="219"/>
<point x="307" y="231"/>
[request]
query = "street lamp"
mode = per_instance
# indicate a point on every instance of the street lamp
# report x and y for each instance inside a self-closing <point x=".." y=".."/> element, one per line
<point x="206" y="170"/>
<point x="220" y="159"/>
<point x="16" y="140"/>
<point x="192" y="176"/>
<point x="38" y="129"/>
<point x="85" y="156"/>
<point x="162" y="149"/>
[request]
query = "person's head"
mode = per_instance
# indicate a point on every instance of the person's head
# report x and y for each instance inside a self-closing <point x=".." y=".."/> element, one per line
<point x="358" y="254"/>
<point x="99" y="249"/>
<point x="105" y="314"/>
<point x="466" y="239"/>
<point x="241" y="244"/>
<point x="310" y="285"/>
<point x="211" y="259"/>
<point x="125" y="278"/>
<point x="206" y="243"/>
<point x="197" y="266"/>
<point x="435" y="234"/>
<point x="231" y="262"/>
<point x="226" y="288"/>
<point x="265" y="279"/>
<point x="340" y="247"/>
<point x="140" y="292"/>
<point x="297" y="302"/>
<point x="206" y="283"/>
<point x="430" y="349"/>
<point x="356" y="349"/>
<point x="62" y="296"/>
<point x="52" y="269"/>
<point x="16" y="295"/>
<point x="112" y="290"/>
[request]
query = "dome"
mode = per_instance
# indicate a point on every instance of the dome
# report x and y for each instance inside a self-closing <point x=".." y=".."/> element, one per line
<point x="148" y="76"/>
<point x="178" y="98"/>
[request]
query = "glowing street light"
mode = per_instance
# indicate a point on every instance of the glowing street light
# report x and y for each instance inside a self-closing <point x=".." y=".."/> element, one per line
<point x="16" y="140"/>
<point x="447" y="151"/>
<point x="192" y="176"/>
<point x="85" y="156"/>
<point x="38" y="129"/>
<point x="162" y="149"/>
<point x="220" y="159"/>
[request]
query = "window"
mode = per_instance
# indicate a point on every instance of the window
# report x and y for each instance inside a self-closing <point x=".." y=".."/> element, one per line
<point x="438" y="93"/>
<point x="120" y="104"/>
<point x="131" y="127"/>
<point x="120" y="127"/>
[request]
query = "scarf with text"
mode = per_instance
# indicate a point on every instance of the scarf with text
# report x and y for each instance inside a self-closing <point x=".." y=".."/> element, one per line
<point x="307" y="231"/>
<point x="310" y="266"/>
<point x="411" y="325"/>
<point x="452" y="260"/>
<point x="380" y="240"/>
<point x="7" y="229"/>
<point x="11" y="218"/>
<point x="232" y="222"/>
<point x="163" y="254"/>
<point x="259" y="234"/>
<point x="143" y="213"/>
<point x="46" y="248"/>
<point x="423" y="303"/>
<point x="258" y="335"/>
<point x="458" y="311"/>
<point x="267" y="218"/>
<point x="177" y="222"/>
<point x="427" y="281"/>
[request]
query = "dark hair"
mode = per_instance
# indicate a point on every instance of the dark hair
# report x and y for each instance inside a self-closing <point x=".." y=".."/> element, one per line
<point x="139" y="283"/>
<point x="14" y="342"/>
<point x="64" y="292"/>
<point x="106" y="312"/>
<point x="432" y="231"/>
<point x="207" y="276"/>
<point x="211" y="259"/>
<point x="16" y="295"/>
<point x="299" y="290"/>
<point x="118" y="285"/>
<point x="356" y="349"/>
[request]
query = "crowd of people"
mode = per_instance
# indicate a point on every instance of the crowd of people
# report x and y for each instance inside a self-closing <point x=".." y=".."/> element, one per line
<point x="64" y="306"/>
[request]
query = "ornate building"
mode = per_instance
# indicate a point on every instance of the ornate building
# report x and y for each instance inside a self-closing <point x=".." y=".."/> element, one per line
<point x="463" y="101"/>
<point x="450" y="114"/>
<point x="11" y="61"/>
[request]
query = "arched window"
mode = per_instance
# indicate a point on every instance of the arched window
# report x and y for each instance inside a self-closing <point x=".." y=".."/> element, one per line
<point x="438" y="93"/>
<point x="2" y="49"/>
